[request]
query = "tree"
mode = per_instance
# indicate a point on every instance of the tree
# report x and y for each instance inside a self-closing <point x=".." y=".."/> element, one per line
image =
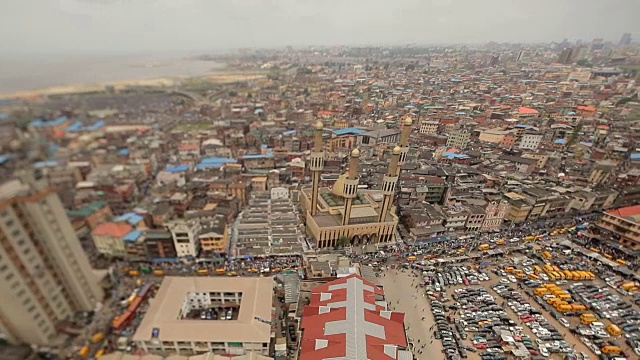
<point x="343" y="241"/>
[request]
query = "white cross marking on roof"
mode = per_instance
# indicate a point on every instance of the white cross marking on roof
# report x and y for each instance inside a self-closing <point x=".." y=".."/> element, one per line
<point x="355" y="327"/>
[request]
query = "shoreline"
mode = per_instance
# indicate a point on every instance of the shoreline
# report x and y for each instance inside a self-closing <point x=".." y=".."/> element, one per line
<point x="223" y="77"/>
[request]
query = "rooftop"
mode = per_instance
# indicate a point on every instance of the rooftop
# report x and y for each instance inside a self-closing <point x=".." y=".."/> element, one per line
<point x="343" y="321"/>
<point x="629" y="213"/>
<point x="168" y="302"/>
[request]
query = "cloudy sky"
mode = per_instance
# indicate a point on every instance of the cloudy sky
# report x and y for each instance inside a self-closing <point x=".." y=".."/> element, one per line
<point x="88" y="26"/>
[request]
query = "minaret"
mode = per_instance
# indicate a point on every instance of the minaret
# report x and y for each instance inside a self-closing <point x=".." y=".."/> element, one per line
<point x="389" y="182"/>
<point x="350" y="190"/>
<point x="404" y="141"/>
<point x="316" y="166"/>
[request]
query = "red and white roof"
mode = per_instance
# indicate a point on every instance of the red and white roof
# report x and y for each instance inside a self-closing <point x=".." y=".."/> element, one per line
<point x="343" y="321"/>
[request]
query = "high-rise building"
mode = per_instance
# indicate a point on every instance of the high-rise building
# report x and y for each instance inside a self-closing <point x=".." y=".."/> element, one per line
<point x="45" y="276"/>
<point x="565" y="56"/>
<point x="625" y="39"/>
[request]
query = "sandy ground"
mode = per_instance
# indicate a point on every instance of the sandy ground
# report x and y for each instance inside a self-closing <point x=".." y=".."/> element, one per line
<point x="401" y="288"/>
<point x="221" y="78"/>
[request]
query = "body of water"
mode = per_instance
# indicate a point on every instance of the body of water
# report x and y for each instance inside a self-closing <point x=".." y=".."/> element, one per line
<point x="37" y="73"/>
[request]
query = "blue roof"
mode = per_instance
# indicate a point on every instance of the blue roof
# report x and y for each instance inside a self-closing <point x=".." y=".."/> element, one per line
<point x="218" y="160"/>
<point x="634" y="156"/>
<point x="131" y="217"/>
<point x="559" y="141"/>
<point x="177" y="168"/>
<point x="214" y="162"/>
<point x="349" y="130"/>
<point x="523" y="126"/>
<point x="96" y="126"/>
<point x="42" y="122"/>
<point x="132" y="236"/>
<point x="124" y="151"/>
<point x="452" y="155"/>
<point x="4" y="158"/>
<point x="41" y="164"/>
<point x="290" y="132"/>
<point x="75" y="126"/>
<point x="254" y="156"/>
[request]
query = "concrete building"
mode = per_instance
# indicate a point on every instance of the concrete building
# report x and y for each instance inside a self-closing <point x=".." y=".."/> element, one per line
<point x="458" y="139"/>
<point x="624" y="224"/>
<point x="45" y="274"/>
<point x="345" y="214"/>
<point x="172" y="325"/>
<point x="185" y="236"/>
<point x="530" y="141"/>
<point x="429" y="127"/>
<point x="494" y="215"/>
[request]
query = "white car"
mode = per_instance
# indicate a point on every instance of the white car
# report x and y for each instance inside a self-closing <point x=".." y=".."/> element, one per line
<point x="512" y="278"/>
<point x="543" y="351"/>
<point x="514" y="240"/>
<point x="564" y="322"/>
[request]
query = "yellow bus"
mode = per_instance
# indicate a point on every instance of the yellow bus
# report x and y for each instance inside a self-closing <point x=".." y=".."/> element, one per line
<point x="483" y="247"/>
<point x="84" y="352"/>
<point x="158" y="272"/>
<point x="203" y="272"/>
<point x="546" y="255"/>
<point x="621" y="262"/>
<point x="551" y="276"/>
<point x="556" y="269"/>
<point x="537" y="269"/>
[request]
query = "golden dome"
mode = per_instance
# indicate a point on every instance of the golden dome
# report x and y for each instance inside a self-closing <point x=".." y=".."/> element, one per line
<point x="396" y="150"/>
<point x="408" y="121"/>
<point x="319" y="125"/>
<point x="338" y="186"/>
<point x="355" y="153"/>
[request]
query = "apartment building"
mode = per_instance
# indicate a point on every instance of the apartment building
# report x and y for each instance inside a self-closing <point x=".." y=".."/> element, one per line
<point x="429" y="127"/>
<point x="45" y="276"/>
<point x="458" y="139"/>
<point x="624" y="224"/>
<point x="530" y="141"/>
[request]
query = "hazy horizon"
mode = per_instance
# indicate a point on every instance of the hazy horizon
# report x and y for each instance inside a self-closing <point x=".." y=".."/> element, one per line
<point x="128" y="27"/>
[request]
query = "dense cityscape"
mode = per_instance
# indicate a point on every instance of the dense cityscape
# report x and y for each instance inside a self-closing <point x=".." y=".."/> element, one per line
<point x="444" y="202"/>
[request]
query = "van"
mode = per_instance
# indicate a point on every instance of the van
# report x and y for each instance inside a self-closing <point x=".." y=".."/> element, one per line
<point x="97" y="337"/>
<point x="158" y="272"/>
<point x="587" y="318"/>
<point x="134" y="273"/>
<point x="564" y="308"/>
<point x="84" y="352"/>
<point x="578" y="307"/>
<point x="614" y="330"/>
<point x="608" y="349"/>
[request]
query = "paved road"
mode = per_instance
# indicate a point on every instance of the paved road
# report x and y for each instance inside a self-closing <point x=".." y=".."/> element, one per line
<point x="403" y="294"/>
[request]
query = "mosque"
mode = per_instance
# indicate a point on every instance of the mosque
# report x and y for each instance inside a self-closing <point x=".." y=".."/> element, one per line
<point x="345" y="214"/>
